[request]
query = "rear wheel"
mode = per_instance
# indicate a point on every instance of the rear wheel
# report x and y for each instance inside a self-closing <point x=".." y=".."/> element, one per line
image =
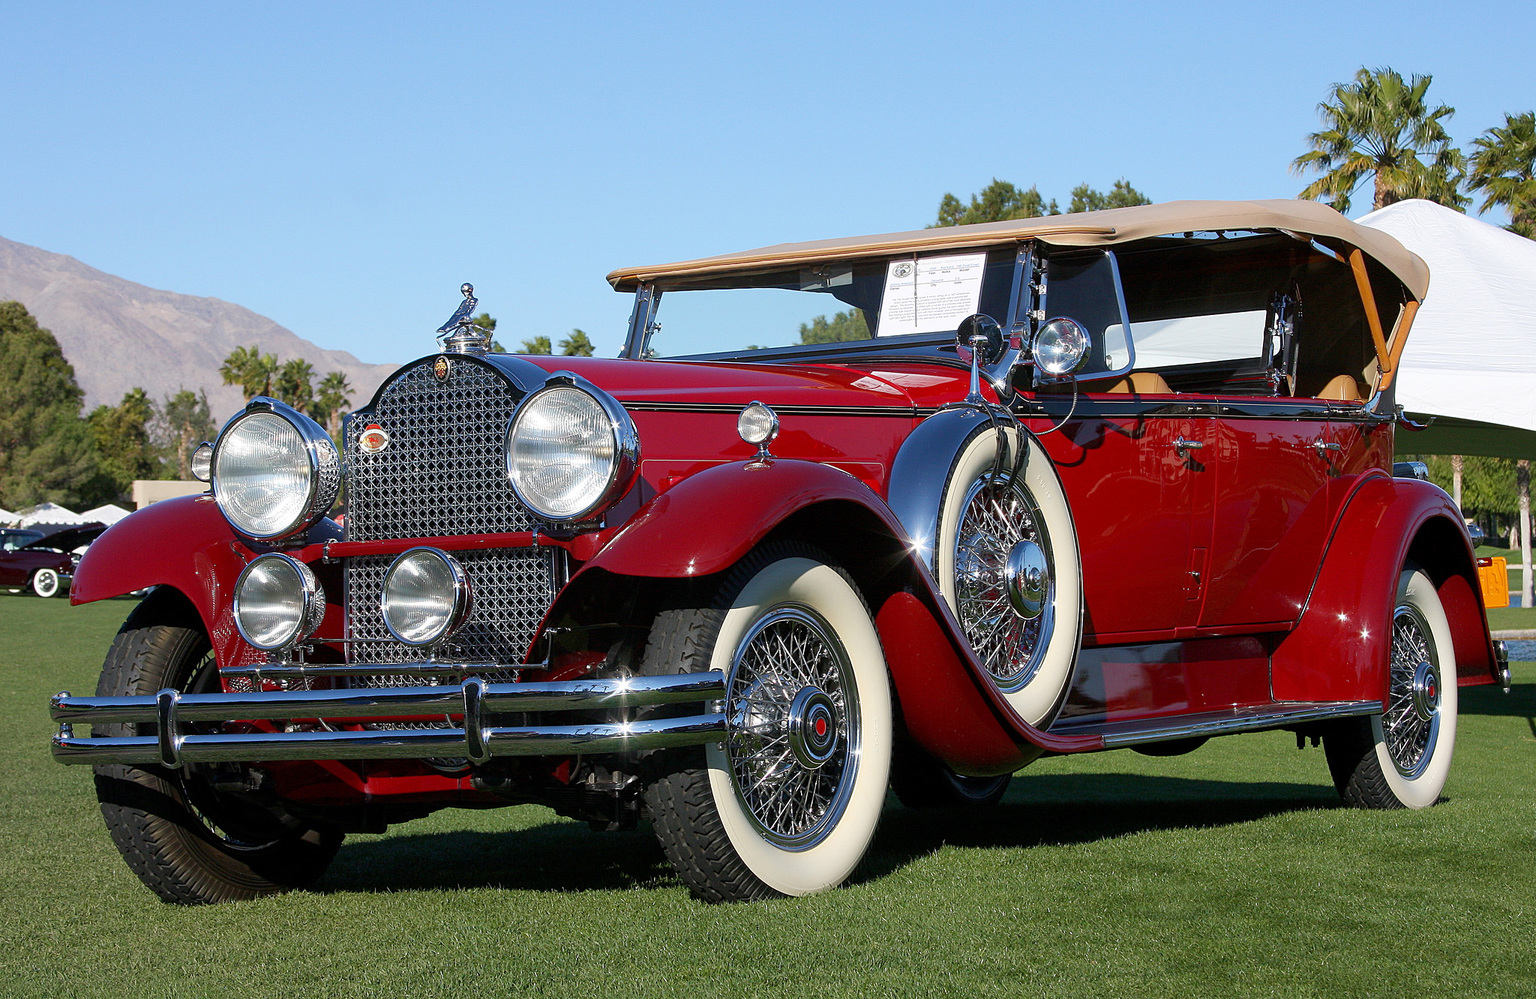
<point x="789" y="802"/>
<point x="189" y="841"/>
<point x="1400" y="758"/>
<point x="45" y="583"/>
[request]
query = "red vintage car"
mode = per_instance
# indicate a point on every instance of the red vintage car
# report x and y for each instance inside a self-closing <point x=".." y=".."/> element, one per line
<point x="43" y="563"/>
<point x="906" y="510"/>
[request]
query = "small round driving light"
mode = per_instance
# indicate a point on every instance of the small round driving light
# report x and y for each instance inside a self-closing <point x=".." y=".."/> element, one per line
<point x="278" y="602"/>
<point x="201" y="462"/>
<point x="1061" y="347"/>
<point x="758" y="425"/>
<point x="426" y="596"/>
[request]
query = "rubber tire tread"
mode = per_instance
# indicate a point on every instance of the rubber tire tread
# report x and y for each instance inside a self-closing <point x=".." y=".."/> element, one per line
<point x="145" y="808"/>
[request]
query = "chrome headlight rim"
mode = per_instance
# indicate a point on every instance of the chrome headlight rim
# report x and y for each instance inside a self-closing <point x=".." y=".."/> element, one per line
<point x="460" y="596"/>
<point x="311" y="597"/>
<point x="324" y="471"/>
<point x="624" y="438"/>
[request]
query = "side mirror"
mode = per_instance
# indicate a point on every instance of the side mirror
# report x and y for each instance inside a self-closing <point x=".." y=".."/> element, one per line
<point x="983" y="336"/>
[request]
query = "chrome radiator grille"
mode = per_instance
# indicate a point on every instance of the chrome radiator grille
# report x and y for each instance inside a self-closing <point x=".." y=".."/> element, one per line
<point x="443" y="474"/>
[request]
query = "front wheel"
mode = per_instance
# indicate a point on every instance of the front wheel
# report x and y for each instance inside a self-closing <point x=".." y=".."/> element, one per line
<point x="45" y="583"/>
<point x="789" y="802"/>
<point x="1400" y="758"/>
<point x="187" y="839"/>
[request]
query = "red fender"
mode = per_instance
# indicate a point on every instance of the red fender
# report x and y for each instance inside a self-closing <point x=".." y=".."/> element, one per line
<point x="709" y="521"/>
<point x="184" y="543"/>
<point x="1340" y="649"/>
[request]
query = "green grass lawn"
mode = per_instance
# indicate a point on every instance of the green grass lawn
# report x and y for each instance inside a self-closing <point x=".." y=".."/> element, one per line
<point x="1231" y="871"/>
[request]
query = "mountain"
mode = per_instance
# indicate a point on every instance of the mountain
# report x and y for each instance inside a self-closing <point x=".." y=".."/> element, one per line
<point x="120" y="335"/>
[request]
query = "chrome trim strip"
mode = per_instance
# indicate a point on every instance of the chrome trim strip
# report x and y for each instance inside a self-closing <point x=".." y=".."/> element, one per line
<point x="1244" y="723"/>
<point x="296" y="671"/>
<point x="889" y="412"/>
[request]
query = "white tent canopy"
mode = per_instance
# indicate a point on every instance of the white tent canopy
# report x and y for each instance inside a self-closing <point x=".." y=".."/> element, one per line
<point x="1471" y="356"/>
<point x="51" y="513"/>
<point x="109" y="514"/>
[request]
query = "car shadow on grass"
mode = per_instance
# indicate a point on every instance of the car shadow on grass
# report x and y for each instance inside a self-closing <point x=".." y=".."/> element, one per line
<point x="1040" y="810"/>
<point x="1520" y="702"/>
<point x="555" y="857"/>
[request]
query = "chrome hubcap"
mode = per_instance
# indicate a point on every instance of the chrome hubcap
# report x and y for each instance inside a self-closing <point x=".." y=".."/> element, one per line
<point x="1411" y="723"/>
<point x="1028" y="577"/>
<point x="793" y="731"/>
<point x="1004" y="579"/>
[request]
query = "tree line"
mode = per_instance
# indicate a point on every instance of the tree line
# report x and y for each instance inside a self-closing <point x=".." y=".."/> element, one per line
<point x="50" y="452"/>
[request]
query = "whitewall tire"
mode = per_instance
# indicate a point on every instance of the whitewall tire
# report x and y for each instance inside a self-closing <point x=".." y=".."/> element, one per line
<point x="986" y="517"/>
<point x="789" y="802"/>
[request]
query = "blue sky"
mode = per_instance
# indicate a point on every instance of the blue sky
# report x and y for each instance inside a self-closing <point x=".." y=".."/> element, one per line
<point x="342" y="168"/>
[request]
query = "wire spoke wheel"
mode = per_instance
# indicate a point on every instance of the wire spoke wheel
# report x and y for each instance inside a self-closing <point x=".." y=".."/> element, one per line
<point x="793" y="735"/>
<point x="1412" y="718"/>
<point x="998" y="515"/>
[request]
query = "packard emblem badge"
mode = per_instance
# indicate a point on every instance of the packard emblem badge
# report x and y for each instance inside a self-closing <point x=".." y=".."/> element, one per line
<point x="373" y="439"/>
<point x="440" y="369"/>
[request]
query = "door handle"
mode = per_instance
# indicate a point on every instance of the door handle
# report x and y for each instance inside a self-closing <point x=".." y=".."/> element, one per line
<point x="1181" y="446"/>
<point x="1323" y="447"/>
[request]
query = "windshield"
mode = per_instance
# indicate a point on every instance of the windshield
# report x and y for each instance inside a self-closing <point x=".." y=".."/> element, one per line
<point x="922" y="296"/>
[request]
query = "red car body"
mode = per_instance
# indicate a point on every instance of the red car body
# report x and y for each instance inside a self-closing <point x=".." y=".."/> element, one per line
<point x="1235" y="555"/>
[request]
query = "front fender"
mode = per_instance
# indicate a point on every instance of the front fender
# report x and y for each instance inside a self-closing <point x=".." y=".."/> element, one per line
<point x="183" y="543"/>
<point x="707" y="522"/>
<point x="1340" y="649"/>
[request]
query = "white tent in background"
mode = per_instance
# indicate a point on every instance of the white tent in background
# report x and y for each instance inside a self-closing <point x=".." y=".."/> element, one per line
<point x="1471" y="356"/>
<point x="7" y="518"/>
<point x="109" y="514"/>
<point x="51" y="513"/>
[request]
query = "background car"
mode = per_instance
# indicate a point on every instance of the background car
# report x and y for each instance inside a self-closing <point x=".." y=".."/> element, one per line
<point x="44" y="564"/>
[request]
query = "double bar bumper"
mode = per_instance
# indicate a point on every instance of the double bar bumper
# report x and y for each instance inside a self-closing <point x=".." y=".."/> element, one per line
<point x="475" y="703"/>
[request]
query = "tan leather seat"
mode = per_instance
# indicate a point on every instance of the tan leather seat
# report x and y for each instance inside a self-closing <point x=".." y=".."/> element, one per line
<point x="1342" y="388"/>
<point x="1141" y="383"/>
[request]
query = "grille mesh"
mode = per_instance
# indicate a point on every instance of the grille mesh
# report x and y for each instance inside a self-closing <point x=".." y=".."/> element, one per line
<point x="512" y="589"/>
<point x="442" y="475"/>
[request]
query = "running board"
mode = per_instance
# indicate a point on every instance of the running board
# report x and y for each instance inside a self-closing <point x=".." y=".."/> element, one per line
<point x="1118" y="735"/>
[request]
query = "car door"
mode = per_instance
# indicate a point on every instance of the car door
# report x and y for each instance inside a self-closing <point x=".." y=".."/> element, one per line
<point x="1272" y="510"/>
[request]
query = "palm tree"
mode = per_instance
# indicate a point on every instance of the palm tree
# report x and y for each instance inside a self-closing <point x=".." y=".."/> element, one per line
<point x="250" y="369"/>
<point x="576" y="345"/>
<point x="1503" y="163"/>
<point x="332" y="398"/>
<point x="1379" y="125"/>
<point x="294" y="384"/>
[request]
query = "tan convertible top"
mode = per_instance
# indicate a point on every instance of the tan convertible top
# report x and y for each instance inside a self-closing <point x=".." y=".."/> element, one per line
<point x="1105" y="228"/>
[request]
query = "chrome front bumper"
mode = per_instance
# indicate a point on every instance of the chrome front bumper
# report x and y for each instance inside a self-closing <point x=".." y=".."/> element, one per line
<point x="474" y="703"/>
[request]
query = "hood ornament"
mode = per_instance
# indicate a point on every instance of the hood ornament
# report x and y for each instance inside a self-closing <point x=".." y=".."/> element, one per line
<point x="459" y="334"/>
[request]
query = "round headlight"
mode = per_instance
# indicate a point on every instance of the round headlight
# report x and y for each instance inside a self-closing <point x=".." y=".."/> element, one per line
<point x="1061" y="347"/>
<point x="570" y="452"/>
<point x="275" y="471"/>
<point x="426" y="596"/>
<point x="278" y="602"/>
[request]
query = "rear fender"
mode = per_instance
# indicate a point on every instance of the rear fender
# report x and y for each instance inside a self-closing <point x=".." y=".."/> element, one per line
<point x="1340" y="649"/>
<point x="708" y="522"/>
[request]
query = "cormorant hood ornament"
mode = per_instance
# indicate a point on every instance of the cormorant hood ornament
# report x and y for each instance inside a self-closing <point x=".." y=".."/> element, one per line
<point x="459" y="334"/>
